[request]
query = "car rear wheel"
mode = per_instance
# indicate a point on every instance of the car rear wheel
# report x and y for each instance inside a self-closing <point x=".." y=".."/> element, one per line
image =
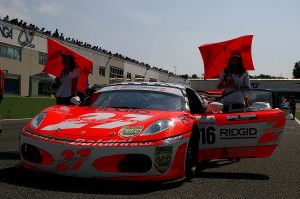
<point x="191" y="158"/>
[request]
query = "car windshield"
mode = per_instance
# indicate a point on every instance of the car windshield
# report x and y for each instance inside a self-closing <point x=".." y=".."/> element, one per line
<point x="140" y="99"/>
<point x="252" y="99"/>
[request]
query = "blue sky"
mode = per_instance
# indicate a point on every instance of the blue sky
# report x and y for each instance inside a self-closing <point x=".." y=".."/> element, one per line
<point x="167" y="33"/>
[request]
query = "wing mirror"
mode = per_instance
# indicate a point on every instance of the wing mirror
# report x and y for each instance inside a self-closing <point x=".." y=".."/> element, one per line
<point x="75" y="100"/>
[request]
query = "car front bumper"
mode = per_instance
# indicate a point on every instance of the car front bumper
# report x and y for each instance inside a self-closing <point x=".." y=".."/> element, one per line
<point x="144" y="161"/>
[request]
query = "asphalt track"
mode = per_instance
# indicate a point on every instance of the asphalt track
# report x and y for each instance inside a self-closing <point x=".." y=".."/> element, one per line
<point x="277" y="176"/>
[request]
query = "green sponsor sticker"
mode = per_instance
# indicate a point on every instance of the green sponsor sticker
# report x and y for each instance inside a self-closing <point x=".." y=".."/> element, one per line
<point x="127" y="131"/>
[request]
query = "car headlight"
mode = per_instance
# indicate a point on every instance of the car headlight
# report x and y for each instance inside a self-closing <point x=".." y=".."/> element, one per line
<point x="157" y="127"/>
<point x="37" y="120"/>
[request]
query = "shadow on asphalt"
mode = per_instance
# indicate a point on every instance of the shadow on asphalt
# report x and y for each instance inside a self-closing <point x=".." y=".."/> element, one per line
<point x="226" y="175"/>
<point x="23" y="177"/>
<point x="43" y="181"/>
<point x="11" y="155"/>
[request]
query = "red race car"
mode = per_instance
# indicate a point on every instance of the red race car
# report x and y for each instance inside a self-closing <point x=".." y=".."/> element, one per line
<point x="148" y="132"/>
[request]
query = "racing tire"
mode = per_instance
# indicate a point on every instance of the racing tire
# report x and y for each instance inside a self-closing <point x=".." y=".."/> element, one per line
<point x="191" y="158"/>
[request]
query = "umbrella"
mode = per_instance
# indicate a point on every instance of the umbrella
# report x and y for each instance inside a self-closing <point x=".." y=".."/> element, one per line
<point x="216" y="55"/>
<point x="54" y="62"/>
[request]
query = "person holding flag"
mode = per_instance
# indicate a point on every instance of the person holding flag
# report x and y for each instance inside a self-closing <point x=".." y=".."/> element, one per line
<point x="70" y="68"/>
<point x="234" y="77"/>
<point x="67" y="81"/>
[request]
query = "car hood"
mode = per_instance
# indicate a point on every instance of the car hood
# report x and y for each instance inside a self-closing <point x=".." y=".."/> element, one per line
<point x="109" y="124"/>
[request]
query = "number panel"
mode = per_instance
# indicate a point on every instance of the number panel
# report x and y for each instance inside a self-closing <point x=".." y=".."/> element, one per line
<point x="239" y="132"/>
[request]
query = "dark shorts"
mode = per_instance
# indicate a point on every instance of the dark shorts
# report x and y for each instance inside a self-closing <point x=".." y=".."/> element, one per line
<point x="63" y="100"/>
<point x="293" y="110"/>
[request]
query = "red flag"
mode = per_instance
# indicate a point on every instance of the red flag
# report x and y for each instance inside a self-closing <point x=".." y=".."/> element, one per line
<point x="216" y="55"/>
<point x="54" y="62"/>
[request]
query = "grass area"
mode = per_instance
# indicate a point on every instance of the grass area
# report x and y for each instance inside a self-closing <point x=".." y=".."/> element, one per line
<point x="23" y="107"/>
<point x="298" y="115"/>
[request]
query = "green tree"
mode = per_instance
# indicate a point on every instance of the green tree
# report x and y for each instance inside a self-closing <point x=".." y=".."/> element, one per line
<point x="296" y="70"/>
<point x="262" y="76"/>
<point x="186" y="76"/>
<point x="194" y="76"/>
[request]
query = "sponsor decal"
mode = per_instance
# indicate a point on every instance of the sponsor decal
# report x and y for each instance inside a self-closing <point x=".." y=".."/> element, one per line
<point x="72" y="160"/>
<point x="242" y="152"/>
<point x="143" y="87"/>
<point x="91" y="143"/>
<point x="111" y="133"/>
<point x="127" y="131"/>
<point x="241" y="117"/>
<point x="149" y="87"/>
<point x="238" y="133"/>
<point x="108" y="143"/>
<point x="224" y="154"/>
<point x="136" y="111"/>
<point x="273" y="130"/>
<point x="173" y="139"/>
<point x="184" y="119"/>
<point x="206" y="120"/>
<point x="163" y="158"/>
<point x="95" y="120"/>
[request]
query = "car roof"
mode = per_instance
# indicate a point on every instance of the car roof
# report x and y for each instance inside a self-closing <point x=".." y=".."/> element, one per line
<point x="161" y="84"/>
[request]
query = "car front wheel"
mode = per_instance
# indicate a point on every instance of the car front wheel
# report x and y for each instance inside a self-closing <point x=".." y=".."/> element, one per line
<point x="191" y="158"/>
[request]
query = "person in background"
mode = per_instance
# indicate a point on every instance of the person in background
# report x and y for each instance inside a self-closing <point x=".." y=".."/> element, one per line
<point x="1" y="90"/>
<point x="67" y="80"/>
<point x="234" y="77"/>
<point x="292" y="105"/>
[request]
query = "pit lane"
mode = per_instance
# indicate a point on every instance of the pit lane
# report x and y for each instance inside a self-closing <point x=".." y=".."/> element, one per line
<point x="275" y="177"/>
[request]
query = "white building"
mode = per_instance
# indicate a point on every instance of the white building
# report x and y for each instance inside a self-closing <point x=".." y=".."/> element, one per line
<point x="23" y="54"/>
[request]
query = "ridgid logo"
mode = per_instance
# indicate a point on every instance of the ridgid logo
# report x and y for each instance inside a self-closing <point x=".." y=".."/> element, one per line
<point x="238" y="133"/>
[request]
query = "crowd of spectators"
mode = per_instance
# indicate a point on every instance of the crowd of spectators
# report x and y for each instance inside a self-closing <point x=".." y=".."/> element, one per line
<point x="61" y="36"/>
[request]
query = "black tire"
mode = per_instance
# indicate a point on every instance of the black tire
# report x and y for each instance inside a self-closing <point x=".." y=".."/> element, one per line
<point x="191" y="158"/>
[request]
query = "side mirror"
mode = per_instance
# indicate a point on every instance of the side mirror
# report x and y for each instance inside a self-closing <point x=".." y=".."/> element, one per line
<point x="75" y="100"/>
<point x="214" y="107"/>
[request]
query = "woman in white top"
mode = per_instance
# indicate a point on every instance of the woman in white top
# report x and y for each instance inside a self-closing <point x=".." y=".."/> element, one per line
<point x="234" y="77"/>
<point x="67" y="80"/>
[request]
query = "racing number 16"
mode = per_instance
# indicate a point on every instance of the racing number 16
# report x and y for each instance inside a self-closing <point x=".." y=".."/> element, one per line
<point x="207" y="135"/>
